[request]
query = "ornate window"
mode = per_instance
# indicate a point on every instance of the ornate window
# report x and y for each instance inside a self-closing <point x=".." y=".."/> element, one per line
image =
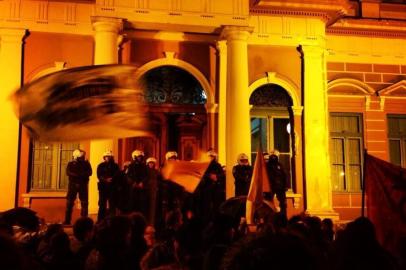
<point x="270" y="95"/>
<point x="172" y="85"/>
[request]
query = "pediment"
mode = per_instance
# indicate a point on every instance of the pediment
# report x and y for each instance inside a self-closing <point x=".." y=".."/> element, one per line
<point x="350" y="87"/>
<point x="397" y="90"/>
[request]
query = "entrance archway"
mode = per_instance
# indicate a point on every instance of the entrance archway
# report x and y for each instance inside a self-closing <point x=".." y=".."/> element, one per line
<point x="272" y="124"/>
<point x="178" y="115"/>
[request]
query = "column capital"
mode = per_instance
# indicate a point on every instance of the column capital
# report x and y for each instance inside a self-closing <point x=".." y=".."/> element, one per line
<point x="221" y="46"/>
<point x="107" y="24"/>
<point x="297" y="110"/>
<point x="311" y="51"/>
<point x="12" y="35"/>
<point x="241" y="33"/>
<point x="211" y="107"/>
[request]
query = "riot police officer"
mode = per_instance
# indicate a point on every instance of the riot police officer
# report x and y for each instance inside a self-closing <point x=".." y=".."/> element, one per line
<point x="153" y="178"/>
<point x="78" y="170"/>
<point x="277" y="180"/>
<point x="171" y="194"/>
<point x="242" y="173"/>
<point x="107" y="171"/>
<point x="137" y="176"/>
<point x="211" y="190"/>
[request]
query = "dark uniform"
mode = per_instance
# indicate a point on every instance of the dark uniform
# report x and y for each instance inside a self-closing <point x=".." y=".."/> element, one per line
<point x="278" y="181"/>
<point x="211" y="191"/>
<point x="137" y="176"/>
<point x="170" y="195"/>
<point x="152" y="189"/>
<point x="122" y="190"/>
<point x="78" y="171"/>
<point x="107" y="173"/>
<point x="242" y="175"/>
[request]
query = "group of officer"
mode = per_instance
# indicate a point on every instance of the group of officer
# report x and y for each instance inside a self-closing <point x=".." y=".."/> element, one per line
<point x="139" y="186"/>
<point x="277" y="178"/>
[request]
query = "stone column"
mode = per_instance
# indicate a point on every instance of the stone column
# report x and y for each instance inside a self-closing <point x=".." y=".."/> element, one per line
<point x="222" y="88"/>
<point x="316" y="134"/>
<point x="11" y="42"/>
<point x="211" y="109"/>
<point x="238" y="128"/>
<point x="107" y="39"/>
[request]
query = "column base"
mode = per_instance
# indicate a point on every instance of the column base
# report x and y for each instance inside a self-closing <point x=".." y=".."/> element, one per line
<point x="324" y="214"/>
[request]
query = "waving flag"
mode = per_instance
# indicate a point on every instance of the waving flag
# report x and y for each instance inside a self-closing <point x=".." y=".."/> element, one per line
<point x="185" y="173"/>
<point x="90" y="102"/>
<point x="259" y="185"/>
<point x="385" y="186"/>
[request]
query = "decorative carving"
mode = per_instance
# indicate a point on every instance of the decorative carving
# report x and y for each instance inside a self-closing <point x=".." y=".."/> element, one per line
<point x="142" y="4"/>
<point x="297" y="110"/>
<point x="348" y="86"/>
<point x="42" y="11"/>
<point x="368" y="102"/>
<point x="270" y="95"/>
<point x="176" y="5"/>
<point x="26" y="202"/>
<point x="240" y="7"/>
<point x="353" y="31"/>
<point x="70" y="14"/>
<point x="169" y="55"/>
<point x="169" y="84"/>
<point x="107" y="24"/>
<point x="14" y="9"/>
<point x="381" y="103"/>
<point x="207" y="6"/>
<point x="296" y="202"/>
<point x="236" y="32"/>
<point x="316" y="14"/>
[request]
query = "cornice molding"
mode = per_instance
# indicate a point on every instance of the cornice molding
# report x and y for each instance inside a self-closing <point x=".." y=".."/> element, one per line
<point x="327" y="10"/>
<point x="368" y="27"/>
<point x="258" y="11"/>
<point x="365" y="32"/>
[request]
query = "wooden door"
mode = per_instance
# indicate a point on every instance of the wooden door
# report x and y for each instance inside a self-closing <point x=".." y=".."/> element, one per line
<point x="146" y="144"/>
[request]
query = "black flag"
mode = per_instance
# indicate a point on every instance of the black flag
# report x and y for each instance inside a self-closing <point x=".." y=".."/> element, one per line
<point x="90" y="102"/>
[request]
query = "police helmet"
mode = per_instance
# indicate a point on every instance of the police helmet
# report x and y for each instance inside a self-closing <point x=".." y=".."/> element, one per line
<point x="137" y="153"/>
<point x="171" y="154"/>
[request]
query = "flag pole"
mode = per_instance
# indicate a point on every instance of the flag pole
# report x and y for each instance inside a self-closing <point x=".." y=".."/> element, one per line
<point x="363" y="185"/>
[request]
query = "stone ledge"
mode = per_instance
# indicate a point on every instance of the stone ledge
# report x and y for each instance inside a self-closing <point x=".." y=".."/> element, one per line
<point x="27" y="197"/>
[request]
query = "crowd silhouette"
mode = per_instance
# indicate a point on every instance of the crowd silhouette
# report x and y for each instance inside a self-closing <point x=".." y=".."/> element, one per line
<point x="129" y="242"/>
<point x="190" y="231"/>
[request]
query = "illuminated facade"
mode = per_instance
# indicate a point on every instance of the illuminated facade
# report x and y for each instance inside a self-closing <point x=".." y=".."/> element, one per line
<point x="319" y="80"/>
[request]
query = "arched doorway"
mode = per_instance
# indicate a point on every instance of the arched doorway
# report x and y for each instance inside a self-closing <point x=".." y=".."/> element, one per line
<point x="272" y="124"/>
<point x="178" y="116"/>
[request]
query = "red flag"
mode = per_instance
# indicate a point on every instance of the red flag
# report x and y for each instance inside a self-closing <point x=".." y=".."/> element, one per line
<point x="185" y="173"/>
<point x="385" y="186"/>
<point x="259" y="180"/>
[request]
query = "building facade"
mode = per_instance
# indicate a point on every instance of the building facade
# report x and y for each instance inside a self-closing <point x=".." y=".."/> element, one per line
<point x="318" y="80"/>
